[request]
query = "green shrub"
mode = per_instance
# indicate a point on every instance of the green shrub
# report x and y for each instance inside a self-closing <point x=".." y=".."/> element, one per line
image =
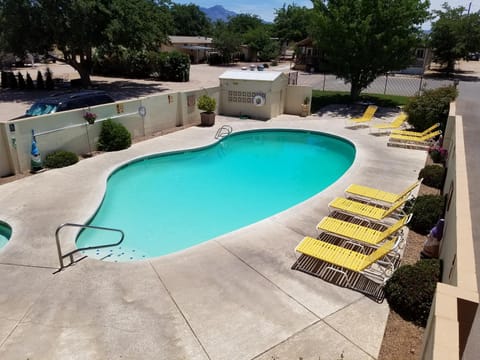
<point x="166" y="66"/>
<point x="40" y="82"/>
<point x="426" y="210"/>
<point x="438" y="154"/>
<point x="430" y="108"/>
<point x="4" y="79"/>
<point x="12" y="80"/>
<point x="21" y="81"/>
<point x="410" y="290"/>
<point x="29" y="85"/>
<point x="433" y="175"/>
<point x="49" y="84"/>
<point x="60" y="158"/>
<point x="206" y="103"/>
<point x="114" y="136"/>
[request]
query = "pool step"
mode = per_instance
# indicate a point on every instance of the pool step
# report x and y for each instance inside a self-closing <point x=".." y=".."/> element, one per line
<point x="116" y="254"/>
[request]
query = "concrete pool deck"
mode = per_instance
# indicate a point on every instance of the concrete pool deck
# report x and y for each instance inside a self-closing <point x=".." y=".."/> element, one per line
<point x="233" y="297"/>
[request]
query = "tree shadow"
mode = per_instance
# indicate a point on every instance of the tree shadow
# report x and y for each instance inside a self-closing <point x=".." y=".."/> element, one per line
<point x="352" y="110"/>
<point x="128" y="89"/>
<point x="119" y="90"/>
<point x="461" y="75"/>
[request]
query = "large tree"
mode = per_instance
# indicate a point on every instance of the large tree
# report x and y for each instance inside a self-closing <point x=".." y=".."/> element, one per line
<point x="189" y="20"/>
<point x="261" y="43"/>
<point x="225" y="41"/>
<point x="454" y="34"/>
<point x="291" y="23"/>
<point x="363" y="39"/>
<point x="243" y="23"/>
<point x="76" y="27"/>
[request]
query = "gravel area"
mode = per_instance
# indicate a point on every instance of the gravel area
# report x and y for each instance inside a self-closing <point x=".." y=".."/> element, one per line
<point x="402" y="339"/>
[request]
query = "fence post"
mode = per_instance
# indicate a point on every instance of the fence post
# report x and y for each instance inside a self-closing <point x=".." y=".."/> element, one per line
<point x="324" y="79"/>
<point x="420" y="87"/>
<point x="386" y="82"/>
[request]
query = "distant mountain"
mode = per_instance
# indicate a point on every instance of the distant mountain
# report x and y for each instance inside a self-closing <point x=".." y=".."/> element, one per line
<point x="218" y="12"/>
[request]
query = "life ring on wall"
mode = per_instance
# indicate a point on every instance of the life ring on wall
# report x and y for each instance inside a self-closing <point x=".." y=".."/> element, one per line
<point x="259" y="100"/>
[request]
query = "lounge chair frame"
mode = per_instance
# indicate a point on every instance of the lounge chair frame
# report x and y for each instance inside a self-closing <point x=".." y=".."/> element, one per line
<point x="369" y="194"/>
<point x="366" y="117"/>
<point x="416" y="133"/>
<point x="395" y="124"/>
<point x="425" y="139"/>
<point x="356" y="233"/>
<point x="377" y="266"/>
<point x="367" y="211"/>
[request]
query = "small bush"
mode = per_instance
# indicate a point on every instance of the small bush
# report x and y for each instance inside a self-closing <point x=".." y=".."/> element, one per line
<point x="4" y="79"/>
<point x="438" y="154"/>
<point x="49" y="84"/>
<point x="207" y="103"/>
<point x="410" y="290"/>
<point x="426" y="210"/>
<point x="40" y="82"/>
<point x="433" y="175"/>
<point x="430" y="108"/>
<point x="21" y="81"/>
<point x="30" y="85"/>
<point x="114" y="136"/>
<point x="60" y="158"/>
<point x="12" y="80"/>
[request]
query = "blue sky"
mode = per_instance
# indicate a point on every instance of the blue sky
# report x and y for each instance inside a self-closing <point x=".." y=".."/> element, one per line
<point x="266" y="9"/>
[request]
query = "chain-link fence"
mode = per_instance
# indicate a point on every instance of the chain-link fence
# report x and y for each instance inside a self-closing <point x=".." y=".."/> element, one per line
<point x="391" y="84"/>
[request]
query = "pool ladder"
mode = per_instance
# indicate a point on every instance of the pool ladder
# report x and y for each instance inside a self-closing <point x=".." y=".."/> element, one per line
<point x="70" y="254"/>
<point x="225" y="130"/>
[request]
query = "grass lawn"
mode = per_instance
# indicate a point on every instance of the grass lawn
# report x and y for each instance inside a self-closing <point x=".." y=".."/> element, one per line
<point x="322" y="98"/>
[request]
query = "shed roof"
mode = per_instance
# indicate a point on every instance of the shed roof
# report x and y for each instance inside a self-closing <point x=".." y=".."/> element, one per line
<point x="189" y="39"/>
<point x="251" y="75"/>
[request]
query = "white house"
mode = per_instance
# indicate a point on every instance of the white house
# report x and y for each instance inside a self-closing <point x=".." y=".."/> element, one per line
<point x="196" y="47"/>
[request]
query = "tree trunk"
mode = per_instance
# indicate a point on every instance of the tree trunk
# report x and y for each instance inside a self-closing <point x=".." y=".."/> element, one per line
<point x="84" y="75"/>
<point x="83" y="67"/>
<point x="355" y="91"/>
<point x="450" y="66"/>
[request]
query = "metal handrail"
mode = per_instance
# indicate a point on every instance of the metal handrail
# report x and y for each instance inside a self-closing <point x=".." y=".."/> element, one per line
<point x="70" y="254"/>
<point x="225" y="130"/>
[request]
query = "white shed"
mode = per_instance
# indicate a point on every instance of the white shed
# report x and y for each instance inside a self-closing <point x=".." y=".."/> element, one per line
<point x="256" y="94"/>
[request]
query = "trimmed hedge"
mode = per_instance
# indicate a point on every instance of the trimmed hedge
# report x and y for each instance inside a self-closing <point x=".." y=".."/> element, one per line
<point x="433" y="175"/>
<point x="114" y="136"/>
<point x="426" y="210"/>
<point x="430" y="108"/>
<point x="410" y="290"/>
<point x="165" y="66"/>
<point x="60" y="158"/>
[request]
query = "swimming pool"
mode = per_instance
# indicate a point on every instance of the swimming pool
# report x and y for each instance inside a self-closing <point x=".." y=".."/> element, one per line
<point x="5" y="233"/>
<point x="166" y="203"/>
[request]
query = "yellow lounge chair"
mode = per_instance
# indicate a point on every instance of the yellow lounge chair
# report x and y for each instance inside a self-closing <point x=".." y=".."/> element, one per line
<point x="369" y="194"/>
<point x="367" y="115"/>
<point x="416" y="133"/>
<point x="360" y="233"/>
<point x="367" y="211"/>
<point x="396" y="123"/>
<point x="342" y="258"/>
<point x="421" y="140"/>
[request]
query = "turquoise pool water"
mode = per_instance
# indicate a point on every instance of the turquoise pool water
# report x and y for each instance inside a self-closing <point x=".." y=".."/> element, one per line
<point x="166" y="203"/>
<point x="5" y="233"/>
